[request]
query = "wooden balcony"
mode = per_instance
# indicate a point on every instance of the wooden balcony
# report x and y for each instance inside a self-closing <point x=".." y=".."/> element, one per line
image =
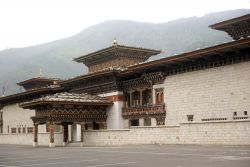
<point x="156" y="110"/>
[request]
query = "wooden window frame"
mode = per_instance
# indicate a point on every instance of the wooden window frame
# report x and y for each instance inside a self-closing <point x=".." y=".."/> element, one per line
<point x="13" y="130"/>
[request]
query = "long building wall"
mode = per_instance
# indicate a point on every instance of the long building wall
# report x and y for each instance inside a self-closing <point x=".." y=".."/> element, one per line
<point x="211" y="94"/>
<point x="225" y="133"/>
<point x="235" y="132"/>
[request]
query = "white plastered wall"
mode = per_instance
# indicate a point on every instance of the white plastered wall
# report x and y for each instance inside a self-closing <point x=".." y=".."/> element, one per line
<point x="114" y="120"/>
<point x="16" y="117"/>
<point x="210" y="93"/>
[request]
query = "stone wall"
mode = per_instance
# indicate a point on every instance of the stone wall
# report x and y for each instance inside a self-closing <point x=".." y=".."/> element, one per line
<point x="137" y="135"/>
<point x="27" y="139"/>
<point x="224" y="133"/>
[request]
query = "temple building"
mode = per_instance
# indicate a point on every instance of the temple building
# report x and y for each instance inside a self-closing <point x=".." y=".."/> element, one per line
<point x="197" y="97"/>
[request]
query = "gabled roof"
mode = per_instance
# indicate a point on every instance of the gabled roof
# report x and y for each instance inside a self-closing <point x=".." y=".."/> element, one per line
<point x="67" y="98"/>
<point x="37" y="79"/>
<point x="30" y="93"/>
<point x="237" y="28"/>
<point x="223" y="24"/>
<point x="113" y="50"/>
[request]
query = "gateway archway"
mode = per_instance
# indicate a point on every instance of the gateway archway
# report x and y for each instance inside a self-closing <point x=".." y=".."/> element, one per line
<point x="68" y="109"/>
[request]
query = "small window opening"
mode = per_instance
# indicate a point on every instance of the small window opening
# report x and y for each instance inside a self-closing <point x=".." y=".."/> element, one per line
<point x="190" y="117"/>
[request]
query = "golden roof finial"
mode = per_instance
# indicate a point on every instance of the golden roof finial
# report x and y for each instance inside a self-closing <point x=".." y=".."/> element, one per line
<point x="40" y="72"/>
<point x="115" y="42"/>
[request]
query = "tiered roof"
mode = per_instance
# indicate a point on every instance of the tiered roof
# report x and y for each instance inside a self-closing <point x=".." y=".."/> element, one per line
<point x="38" y="82"/>
<point x="115" y="50"/>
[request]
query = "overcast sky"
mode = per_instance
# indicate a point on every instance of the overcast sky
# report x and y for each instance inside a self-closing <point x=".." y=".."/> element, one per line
<point x="31" y="22"/>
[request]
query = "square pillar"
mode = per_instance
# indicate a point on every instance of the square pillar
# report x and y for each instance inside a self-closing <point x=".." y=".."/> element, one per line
<point x="65" y="134"/>
<point x="141" y="97"/>
<point x="82" y="129"/>
<point x="35" y="142"/>
<point x="52" y="140"/>
<point x="130" y="99"/>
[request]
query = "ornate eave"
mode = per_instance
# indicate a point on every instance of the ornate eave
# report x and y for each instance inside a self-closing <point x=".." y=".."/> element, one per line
<point x="38" y="82"/>
<point x="237" y="27"/>
<point x="145" y="80"/>
<point x="94" y="83"/>
<point x="88" y="76"/>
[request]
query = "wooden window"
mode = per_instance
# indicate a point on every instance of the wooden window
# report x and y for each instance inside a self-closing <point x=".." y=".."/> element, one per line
<point x="190" y="118"/>
<point x="127" y="100"/>
<point x="24" y="130"/>
<point x="245" y="112"/>
<point x="30" y="129"/>
<point x="95" y="126"/>
<point x="134" y="122"/>
<point x="147" y="122"/>
<point x="146" y="97"/>
<point x="136" y="98"/>
<point x="13" y="130"/>
<point x="235" y="113"/>
<point x="19" y="130"/>
<point x="86" y="126"/>
<point x="162" y="97"/>
<point x="159" y="96"/>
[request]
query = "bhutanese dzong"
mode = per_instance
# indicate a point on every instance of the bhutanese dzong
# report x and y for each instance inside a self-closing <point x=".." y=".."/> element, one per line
<point x="198" y="97"/>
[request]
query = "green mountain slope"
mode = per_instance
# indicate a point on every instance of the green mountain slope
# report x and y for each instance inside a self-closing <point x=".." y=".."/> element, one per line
<point x="55" y="58"/>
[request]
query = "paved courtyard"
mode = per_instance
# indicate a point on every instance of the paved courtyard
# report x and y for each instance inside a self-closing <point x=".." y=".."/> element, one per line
<point x="126" y="156"/>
